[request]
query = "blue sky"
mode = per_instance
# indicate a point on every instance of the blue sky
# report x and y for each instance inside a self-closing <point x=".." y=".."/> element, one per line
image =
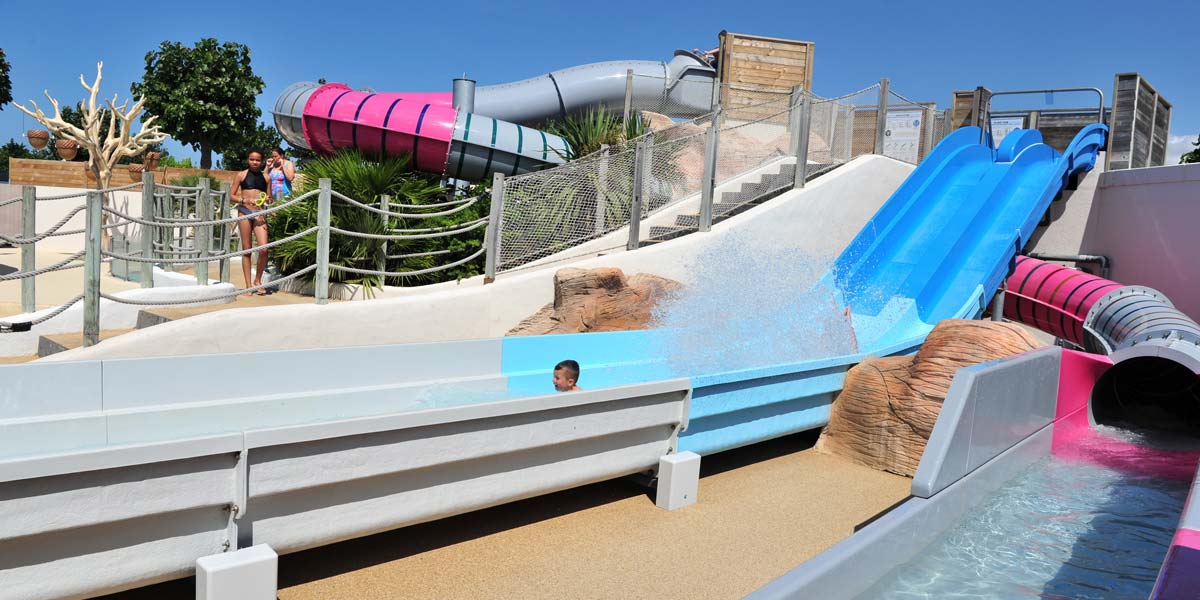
<point x="927" y="49"/>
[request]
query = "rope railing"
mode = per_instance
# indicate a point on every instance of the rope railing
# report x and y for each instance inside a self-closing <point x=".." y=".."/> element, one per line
<point x="436" y="269"/>
<point x="387" y="213"/>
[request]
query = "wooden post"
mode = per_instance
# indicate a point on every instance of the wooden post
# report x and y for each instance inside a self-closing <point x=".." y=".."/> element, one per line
<point x="708" y="177"/>
<point x="168" y="241"/>
<point x="628" y="98"/>
<point x="803" y="127"/>
<point x="881" y="116"/>
<point x="202" y="234"/>
<point x="148" y="231"/>
<point x="321" y="280"/>
<point x="491" y="236"/>
<point x="91" y="270"/>
<point x="225" y="235"/>
<point x="635" y="207"/>
<point x="28" y="251"/>
<point x="599" y="224"/>
<point x="385" y="201"/>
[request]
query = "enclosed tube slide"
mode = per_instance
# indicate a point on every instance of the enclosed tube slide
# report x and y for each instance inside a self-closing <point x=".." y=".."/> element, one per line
<point x="1154" y="381"/>
<point x="1099" y="315"/>
<point x="494" y="137"/>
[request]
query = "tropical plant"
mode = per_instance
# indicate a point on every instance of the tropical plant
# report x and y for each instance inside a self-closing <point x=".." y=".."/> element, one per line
<point x="203" y="96"/>
<point x="365" y="180"/>
<point x="587" y="131"/>
<point x="193" y="179"/>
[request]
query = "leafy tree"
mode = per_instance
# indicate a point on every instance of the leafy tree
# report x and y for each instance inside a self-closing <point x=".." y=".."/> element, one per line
<point x="204" y="96"/>
<point x="262" y="138"/>
<point x="1193" y="156"/>
<point x="5" y="81"/>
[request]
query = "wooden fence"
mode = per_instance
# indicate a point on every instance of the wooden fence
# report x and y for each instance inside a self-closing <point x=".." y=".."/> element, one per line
<point x="75" y="174"/>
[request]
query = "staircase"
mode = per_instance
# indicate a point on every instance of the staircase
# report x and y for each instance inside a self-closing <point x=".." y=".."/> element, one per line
<point x="732" y="203"/>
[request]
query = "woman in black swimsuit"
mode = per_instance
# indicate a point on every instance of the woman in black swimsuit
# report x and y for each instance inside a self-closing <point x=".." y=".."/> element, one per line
<point x="248" y="187"/>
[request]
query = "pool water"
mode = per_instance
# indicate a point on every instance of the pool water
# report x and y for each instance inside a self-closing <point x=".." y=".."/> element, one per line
<point x="1062" y="529"/>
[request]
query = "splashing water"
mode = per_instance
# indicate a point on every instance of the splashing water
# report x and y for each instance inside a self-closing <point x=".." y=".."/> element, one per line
<point x="752" y="303"/>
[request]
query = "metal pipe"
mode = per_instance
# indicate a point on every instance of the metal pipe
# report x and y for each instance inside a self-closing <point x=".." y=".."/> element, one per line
<point x="463" y="94"/>
<point x="1099" y="259"/>
<point x="986" y="124"/>
<point x="998" y="303"/>
<point x="800" y="178"/>
<point x="600" y="223"/>
<point x="628" y="98"/>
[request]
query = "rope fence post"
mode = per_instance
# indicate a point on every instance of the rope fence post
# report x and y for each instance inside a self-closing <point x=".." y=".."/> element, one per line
<point x="225" y="234"/>
<point x="708" y="177"/>
<point x="168" y="241"/>
<point x="803" y="127"/>
<point x="881" y="116"/>
<point x="321" y="279"/>
<point x="28" y="251"/>
<point x="91" y="271"/>
<point x="385" y="201"/>
<point x="148" y="231"/>
<point x="491" y="236"/>
<point x="635" y="207"/>
<point x="202" y="234"/>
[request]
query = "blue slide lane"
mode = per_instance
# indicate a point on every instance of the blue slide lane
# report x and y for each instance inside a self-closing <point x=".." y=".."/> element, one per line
<point x="937" y="249"/>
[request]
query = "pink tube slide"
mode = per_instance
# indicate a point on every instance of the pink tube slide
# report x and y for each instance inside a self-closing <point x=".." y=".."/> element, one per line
<point x="422" y="125"/>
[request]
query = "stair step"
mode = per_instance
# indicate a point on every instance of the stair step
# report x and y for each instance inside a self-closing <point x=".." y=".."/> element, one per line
<point x="61" y="342"/>
<point x="13" y="360"/>
<point x="663" y="234"/>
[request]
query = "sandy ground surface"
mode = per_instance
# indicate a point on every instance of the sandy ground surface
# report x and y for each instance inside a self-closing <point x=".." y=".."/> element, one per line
<point x="762" y="510"/>
<point x="54" y="288"/>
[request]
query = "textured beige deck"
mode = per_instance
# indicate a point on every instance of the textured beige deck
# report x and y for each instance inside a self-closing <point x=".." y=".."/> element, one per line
<point x="52" y="288"/>
<point x="762" y="511"/>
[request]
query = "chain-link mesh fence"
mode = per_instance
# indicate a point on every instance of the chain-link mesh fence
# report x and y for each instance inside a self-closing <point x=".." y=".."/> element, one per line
<point x="551" y="211"/>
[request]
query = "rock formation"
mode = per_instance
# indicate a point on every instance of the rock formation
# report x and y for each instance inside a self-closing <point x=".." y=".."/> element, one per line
<point x="600" y="299"/>
<point x="888" y="406"/>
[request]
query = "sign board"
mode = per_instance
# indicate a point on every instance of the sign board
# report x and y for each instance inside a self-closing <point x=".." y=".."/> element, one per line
<point x="902" y="137"/>
<point x="1002" y="126"/>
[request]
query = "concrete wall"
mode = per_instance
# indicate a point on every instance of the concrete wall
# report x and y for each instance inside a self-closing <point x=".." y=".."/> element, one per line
<point x="822" y="219"/>
<point x="87" y="521"/>
<point x="1144" y="220"/>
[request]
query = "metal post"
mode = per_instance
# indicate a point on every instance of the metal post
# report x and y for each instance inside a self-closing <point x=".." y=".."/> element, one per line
<point x="148" y="231"/>
<point x="91" y="271"/>
<point x="635" y="207"/>
<point x="628" y="98"/>
<point x="491" y="236"/>
<point x="384" y="202"/>
<point x="226" y="234"/>
<point x="979" y="111"/>
<point x="803" y="127"/>
<point x="202" y="234"/>
<point x="28" y="251"/>
<point x="321" y="280"/>
<point x="881" y="116"/>
<point x="600" y="224"/>
<point x="708" y="177"/>
<point x="998" y="302"/>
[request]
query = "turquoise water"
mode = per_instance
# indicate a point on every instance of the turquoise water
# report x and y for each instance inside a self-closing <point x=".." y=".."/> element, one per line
<point x="1060" y="530"/>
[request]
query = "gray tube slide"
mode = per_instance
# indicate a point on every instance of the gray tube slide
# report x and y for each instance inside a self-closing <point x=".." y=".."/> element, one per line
<point x="682" y="88"/>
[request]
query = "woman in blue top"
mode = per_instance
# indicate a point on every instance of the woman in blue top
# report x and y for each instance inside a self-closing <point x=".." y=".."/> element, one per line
<point x="282" y="172"/>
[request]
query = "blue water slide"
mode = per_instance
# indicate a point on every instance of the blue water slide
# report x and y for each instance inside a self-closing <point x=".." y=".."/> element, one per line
<point x="937" y="249"/>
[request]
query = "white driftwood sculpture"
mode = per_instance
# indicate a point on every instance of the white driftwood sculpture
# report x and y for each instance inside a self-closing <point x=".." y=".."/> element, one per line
<point x="120" y="142"/>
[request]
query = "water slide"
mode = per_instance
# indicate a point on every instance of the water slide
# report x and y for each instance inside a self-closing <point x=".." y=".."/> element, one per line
<point x="494" y="134"/>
